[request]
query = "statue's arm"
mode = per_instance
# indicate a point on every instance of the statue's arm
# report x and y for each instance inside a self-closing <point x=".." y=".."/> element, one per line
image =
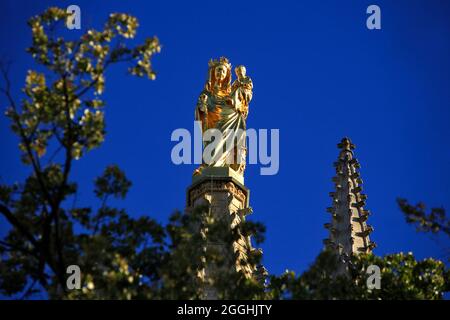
<point x="202" y="102"/>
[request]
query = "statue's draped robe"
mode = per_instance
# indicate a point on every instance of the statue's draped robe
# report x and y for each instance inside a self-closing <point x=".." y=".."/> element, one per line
<point x="223" y="114"/>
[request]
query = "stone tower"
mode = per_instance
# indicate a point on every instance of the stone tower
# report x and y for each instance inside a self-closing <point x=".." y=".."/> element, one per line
<point x="348" y="229"/>
<point x="223" y="191"/>
<point x="218" y="183"/>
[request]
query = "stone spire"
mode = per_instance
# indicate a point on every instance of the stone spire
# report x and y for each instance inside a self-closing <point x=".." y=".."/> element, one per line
<point x="349" y="231"/>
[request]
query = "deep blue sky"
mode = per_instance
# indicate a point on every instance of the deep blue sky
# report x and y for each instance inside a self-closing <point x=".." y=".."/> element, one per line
<point x="318" y="75"/>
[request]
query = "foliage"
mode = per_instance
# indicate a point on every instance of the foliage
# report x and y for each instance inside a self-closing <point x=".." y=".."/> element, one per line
<point x="435" y="221"/>
<point x="201" y="256"/>
<point x="62" y="113"/>
<point x="402" y="277"/>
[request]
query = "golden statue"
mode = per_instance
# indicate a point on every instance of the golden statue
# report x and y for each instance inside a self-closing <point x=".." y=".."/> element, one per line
<point x="224" y="106"/>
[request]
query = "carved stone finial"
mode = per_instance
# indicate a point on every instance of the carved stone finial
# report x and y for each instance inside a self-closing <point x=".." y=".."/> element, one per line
<point x="346" y="144"/>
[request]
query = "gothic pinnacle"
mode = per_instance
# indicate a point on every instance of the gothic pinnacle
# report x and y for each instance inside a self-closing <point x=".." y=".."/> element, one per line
<point x="348" y="230"/>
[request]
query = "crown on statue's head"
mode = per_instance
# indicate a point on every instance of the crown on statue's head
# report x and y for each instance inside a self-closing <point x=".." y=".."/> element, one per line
<point x="222" y="61"/>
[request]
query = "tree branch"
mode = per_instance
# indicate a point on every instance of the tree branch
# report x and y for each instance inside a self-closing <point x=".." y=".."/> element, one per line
<point x="16" y="223"/>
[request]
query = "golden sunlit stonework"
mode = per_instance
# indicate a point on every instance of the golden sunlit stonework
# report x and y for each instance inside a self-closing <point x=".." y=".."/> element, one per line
<point x="224" y="106"/>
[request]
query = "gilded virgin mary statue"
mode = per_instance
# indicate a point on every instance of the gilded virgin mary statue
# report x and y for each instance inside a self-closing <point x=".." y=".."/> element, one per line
<point x="223" y="106"/>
